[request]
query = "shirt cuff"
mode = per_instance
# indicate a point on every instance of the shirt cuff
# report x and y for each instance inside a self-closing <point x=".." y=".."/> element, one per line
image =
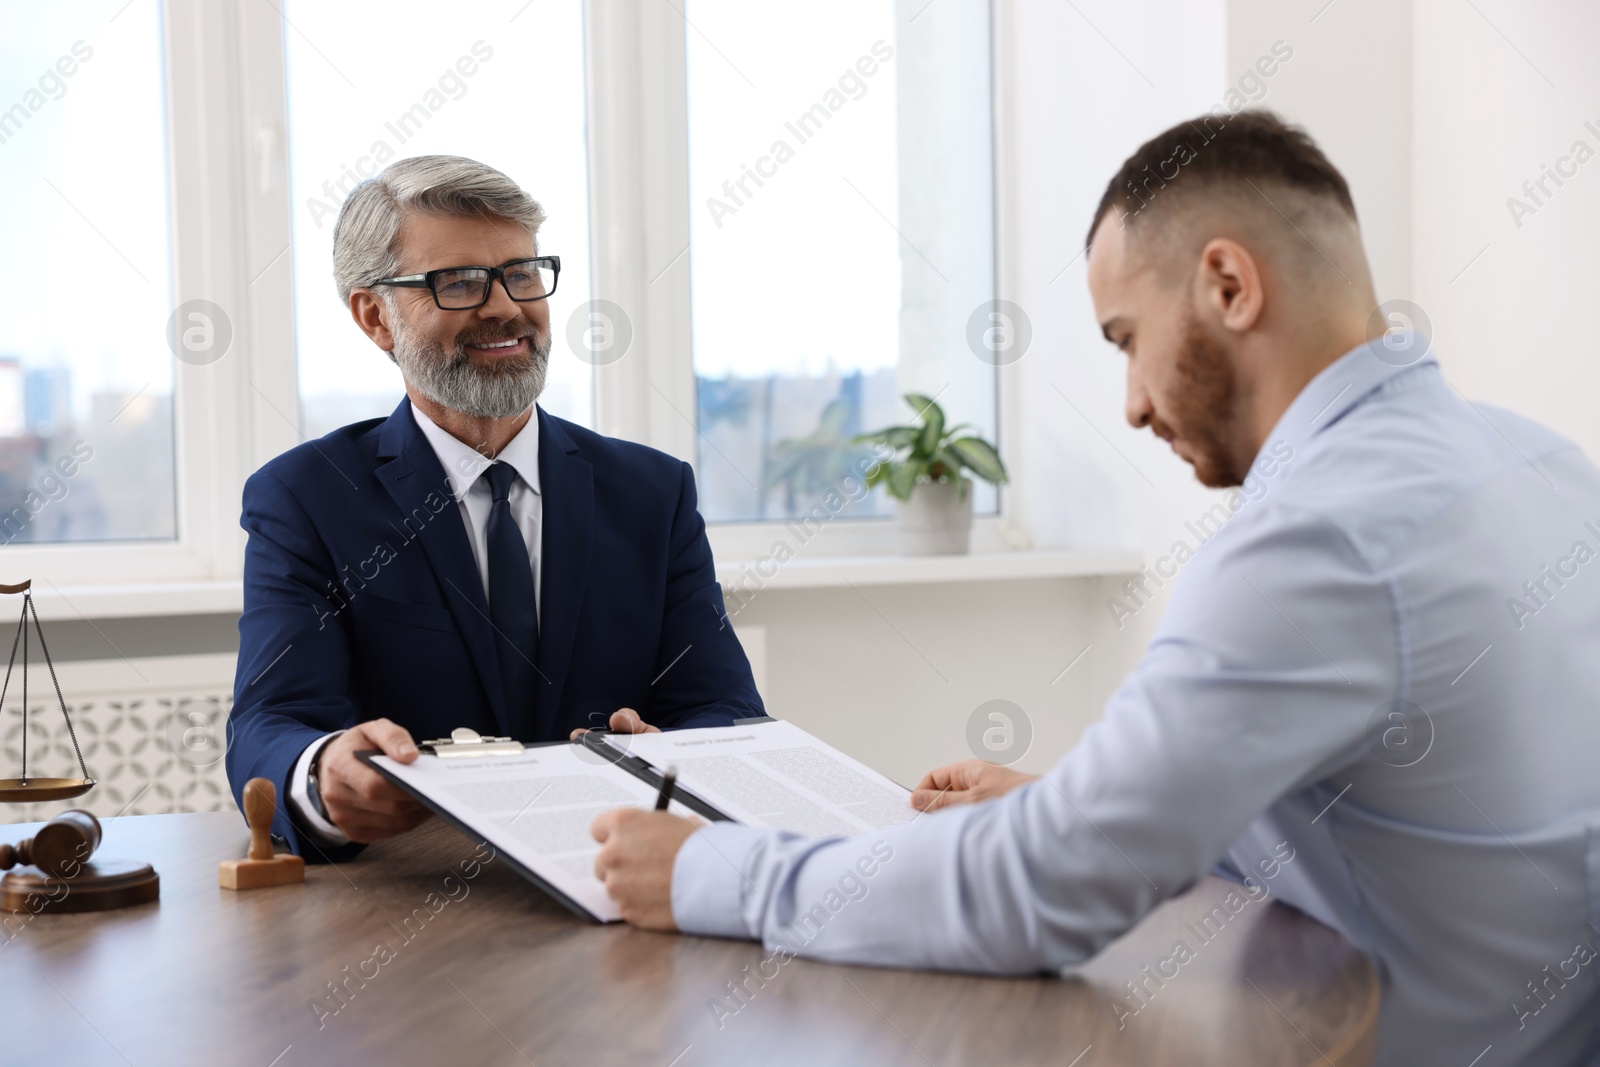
<point x="708" y="879"/>
<point x="300" y="796"/>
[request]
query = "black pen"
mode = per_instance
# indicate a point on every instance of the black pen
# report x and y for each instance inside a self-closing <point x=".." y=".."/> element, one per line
<point x="663" y="797"/>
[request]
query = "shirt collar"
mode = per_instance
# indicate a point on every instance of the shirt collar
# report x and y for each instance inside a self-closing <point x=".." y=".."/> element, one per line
<point x="463" y="464"/>
<point x="1347" y="382"/>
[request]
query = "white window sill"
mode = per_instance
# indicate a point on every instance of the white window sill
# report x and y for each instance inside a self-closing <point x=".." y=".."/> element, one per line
<point x="226" y="596"/>
<point x="126" y="600"/>
<point x="840" y="572"/>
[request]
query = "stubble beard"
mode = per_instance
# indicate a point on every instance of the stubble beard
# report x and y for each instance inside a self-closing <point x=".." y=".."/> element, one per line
<point x="1206" y="411"/>
<point x="451" y="379"/>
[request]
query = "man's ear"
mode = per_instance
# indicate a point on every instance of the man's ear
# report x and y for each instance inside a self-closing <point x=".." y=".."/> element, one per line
<point x="1231" y="285"/>
<point x="372" y="315"/>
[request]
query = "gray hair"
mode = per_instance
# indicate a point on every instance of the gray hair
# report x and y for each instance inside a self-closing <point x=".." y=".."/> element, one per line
<point x="366" y="238"/>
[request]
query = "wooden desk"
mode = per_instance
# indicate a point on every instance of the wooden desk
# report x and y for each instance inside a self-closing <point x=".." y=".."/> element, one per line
<point x="501" y="975"/>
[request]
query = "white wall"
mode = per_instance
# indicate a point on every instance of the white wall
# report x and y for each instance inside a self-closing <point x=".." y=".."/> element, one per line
<point x="893" y="674"/>
<point x="1437" y="112"/>
<point x="1349" y="84"/>
<point x="1514" y="328"/>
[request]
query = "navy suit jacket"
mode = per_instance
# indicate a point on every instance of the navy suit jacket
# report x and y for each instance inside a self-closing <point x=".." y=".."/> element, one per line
<point x="362" y="600"/>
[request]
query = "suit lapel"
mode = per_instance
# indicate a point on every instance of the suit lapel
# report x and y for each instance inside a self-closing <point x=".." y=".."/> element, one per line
<point x="417" y="483"/>
<point x="567" y="482"/>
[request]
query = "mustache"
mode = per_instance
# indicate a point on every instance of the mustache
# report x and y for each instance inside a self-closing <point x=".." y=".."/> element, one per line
<point x="537" y="341"/>
<point x="489" y="335"/>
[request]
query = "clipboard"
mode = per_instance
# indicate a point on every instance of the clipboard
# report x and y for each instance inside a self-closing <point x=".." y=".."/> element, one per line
<point x="474" y="783"/>
<point x="468" y="746"/>
<point x="472" y="834"/>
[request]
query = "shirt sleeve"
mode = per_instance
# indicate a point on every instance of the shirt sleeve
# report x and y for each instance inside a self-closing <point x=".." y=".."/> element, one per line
<point x="1276" y="648"/>
<point x="300" y="796"/>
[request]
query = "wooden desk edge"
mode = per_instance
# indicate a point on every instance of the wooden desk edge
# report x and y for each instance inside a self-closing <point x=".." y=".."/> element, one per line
<point x="1360" y="1045"/>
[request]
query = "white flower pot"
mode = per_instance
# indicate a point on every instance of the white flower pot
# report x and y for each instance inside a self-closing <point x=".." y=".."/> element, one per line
<point x="937" y="520"/>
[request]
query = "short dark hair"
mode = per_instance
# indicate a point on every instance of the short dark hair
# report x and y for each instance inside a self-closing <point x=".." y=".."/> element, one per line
<point x="1253" y="145"/>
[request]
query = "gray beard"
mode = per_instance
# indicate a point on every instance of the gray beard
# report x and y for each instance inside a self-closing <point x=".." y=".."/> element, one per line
<point x="450" y="379"/>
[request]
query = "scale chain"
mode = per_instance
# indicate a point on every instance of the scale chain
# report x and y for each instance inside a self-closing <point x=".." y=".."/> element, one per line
<point x="28" y="605"/>
<point x="24" y="687"/>
<point x="21" y="624"/>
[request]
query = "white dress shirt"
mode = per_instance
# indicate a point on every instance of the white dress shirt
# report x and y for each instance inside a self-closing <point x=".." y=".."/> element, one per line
<point x="1373" y="689"/>
<point x="463" y="467"/>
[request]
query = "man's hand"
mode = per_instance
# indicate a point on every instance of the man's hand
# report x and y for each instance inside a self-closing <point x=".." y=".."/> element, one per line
<point x="623" y="721"/>
<point x="966" y="782"/>
<point x="637" y="850"/>
<point x="359" y="801"/>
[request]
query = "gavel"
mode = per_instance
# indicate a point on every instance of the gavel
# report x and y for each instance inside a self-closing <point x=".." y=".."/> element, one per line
<point x="60" y="848"/>
<point x="59" y="855"/>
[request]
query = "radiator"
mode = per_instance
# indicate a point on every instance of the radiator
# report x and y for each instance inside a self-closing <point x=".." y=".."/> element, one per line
<point x="152" y="731"/>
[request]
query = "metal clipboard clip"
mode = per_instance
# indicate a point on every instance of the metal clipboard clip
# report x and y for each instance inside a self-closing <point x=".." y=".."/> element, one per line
<point x="466" y="742"/>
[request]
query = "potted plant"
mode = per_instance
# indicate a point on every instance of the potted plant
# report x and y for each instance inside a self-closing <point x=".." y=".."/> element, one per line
<point x="927" y="476"/>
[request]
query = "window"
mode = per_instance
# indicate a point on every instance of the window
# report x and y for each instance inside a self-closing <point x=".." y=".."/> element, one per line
<point x="367" y="88"/>
<point x="86" y="371"/>
<point x="829" y="276"/>
<point x="172" y="173"/>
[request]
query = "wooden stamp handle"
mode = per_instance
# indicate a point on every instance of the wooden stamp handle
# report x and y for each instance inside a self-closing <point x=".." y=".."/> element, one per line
<point x="260" y="799"/>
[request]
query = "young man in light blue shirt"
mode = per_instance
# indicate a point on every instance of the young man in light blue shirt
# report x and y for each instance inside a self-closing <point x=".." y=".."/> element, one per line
<point x="1377" y="685"/>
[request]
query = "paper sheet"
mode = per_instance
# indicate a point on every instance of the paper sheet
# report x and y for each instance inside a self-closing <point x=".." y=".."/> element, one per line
<point x="774" y="774"/>
<point x="535" y="807"/>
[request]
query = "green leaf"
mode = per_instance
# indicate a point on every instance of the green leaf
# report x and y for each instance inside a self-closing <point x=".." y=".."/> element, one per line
<point x="893" y="436"/>
<point x="902" y="479"/>
<point x="932" y="418"/>
<point x="921" y="404"/>
<point x="978" y="456"/>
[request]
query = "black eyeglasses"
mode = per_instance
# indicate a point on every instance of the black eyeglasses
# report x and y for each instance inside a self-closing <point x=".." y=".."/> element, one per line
<point x="465" y="288"/>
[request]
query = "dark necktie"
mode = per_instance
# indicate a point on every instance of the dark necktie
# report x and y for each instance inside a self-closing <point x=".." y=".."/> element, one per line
<point x="512" y="608"/>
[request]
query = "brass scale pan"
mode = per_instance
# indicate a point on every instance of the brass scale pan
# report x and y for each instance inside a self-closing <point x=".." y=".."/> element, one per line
<point x="36" y="790"/>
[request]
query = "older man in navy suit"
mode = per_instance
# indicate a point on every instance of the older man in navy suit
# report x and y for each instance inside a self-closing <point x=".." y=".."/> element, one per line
<point x="469" y="560"/>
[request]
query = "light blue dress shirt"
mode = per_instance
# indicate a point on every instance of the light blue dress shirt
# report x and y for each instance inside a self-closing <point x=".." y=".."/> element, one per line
<point x="1373" y="694"/>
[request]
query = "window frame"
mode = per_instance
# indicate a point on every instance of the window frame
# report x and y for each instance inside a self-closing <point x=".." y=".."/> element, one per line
<point x="216" y="229"/>
<point x="230" y="230"/>
<point x="638" y="126"/>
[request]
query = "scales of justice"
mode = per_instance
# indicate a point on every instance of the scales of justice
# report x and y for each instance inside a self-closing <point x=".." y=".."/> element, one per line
<point x="57" y="873"/>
